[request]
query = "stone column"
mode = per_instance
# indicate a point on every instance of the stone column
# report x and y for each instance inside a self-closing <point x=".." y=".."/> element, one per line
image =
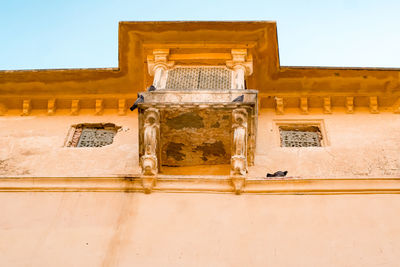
<point x="158" y="65"/>
<point x="239" y="149"/>
<point x="151" y="141"/>
<point x="241" y="67"/>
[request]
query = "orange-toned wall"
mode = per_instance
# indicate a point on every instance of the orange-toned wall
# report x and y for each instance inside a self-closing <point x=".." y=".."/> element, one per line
<point x="359" y="145"/>
<point x="200" y="229"/>
<point x="162" y="229"/>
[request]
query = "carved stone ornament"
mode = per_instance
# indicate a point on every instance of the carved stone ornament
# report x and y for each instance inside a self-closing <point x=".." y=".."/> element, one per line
<point x="327" y="105"/>
<point x="238" y="184"/>
<point x="349" y="104"/>
<point x="75" y="107"/>
<point x="121" y="107"/>
<point x="151" y="139"/>
<point x="239" y="143"/>
<point x="99" y="107"/>
<point x="26" y="107"/>
<point x="279" y="105"/>
<point x="148" y="182"/>
<point x="241" y="67"/>
<point x="51" y="107"/>
<point x="158" y="65"/>
<point x="373" y="105"/>
<point x="304" y="105"/>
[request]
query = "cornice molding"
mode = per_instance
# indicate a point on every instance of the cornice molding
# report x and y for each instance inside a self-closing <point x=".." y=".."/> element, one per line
<point x="203" y="184"/>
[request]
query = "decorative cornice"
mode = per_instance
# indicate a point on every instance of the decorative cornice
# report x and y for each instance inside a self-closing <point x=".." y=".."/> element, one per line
<point x="320" y="104"/>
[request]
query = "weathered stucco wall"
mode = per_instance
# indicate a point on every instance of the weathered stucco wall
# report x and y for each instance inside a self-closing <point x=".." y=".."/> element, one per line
<point x="134" y="229"/>
<point x="359" y="145"/>
<point x="34" y="146"/>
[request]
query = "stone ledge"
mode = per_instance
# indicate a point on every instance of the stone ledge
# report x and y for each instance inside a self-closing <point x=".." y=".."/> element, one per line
<point x="206" y="184"/>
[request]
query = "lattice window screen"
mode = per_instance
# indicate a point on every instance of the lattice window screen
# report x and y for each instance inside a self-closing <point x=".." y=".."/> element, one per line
<point x="92" y="135"/>
<point x="300" y="138"/>
<point x="192" y="78"/>
<point x="96" y="137"/>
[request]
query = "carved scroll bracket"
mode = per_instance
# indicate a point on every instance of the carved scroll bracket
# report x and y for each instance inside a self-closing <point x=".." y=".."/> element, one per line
<point x="158" y="65"/>
<point x="241" y="66"/>
<point x="239" y="149"/>
<point x="151" y="141"/>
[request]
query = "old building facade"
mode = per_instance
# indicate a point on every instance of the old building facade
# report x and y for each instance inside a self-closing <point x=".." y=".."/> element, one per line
<point x="181" y="180"/>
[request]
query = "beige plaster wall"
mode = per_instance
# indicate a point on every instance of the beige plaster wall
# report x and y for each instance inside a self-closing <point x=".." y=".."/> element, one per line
<point x="34" y="146"/>
<point x="359" y="145"/>
<point x="161" y="229"/>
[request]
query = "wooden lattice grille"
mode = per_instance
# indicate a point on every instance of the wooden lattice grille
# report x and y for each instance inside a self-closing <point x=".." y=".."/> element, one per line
<point x="192" y="78"/>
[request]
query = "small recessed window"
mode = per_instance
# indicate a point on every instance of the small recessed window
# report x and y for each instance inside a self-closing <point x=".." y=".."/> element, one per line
<point x="300" y="136"/>
<point x="92" y="135"/>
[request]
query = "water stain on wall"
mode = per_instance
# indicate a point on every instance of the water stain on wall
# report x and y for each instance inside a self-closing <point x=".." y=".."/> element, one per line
<point x="211" y="149"/>
<point x="185" y="120"/>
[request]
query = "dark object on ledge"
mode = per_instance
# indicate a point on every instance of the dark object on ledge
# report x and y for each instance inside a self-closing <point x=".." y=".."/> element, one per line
<point x="140" y="99"/>
<point x="277" y="174"/>
<point x="238" y="99"/>
<point x="151" y="88"/>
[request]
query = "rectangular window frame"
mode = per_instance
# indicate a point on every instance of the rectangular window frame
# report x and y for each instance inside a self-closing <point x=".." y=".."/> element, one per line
<point x="302" y="123"/>
<point x="71" y="143"/>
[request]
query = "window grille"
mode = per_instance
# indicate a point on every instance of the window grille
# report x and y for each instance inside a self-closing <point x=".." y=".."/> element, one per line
<point x="96" y="137"/>
<point x="93" y="135"/>
<point x="192" y="78"/>
<point x="300" y="136"/>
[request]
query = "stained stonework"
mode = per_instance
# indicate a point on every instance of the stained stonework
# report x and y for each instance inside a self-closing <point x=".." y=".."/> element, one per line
<point x="196" y="127"/>
<point x="195" y="137"/>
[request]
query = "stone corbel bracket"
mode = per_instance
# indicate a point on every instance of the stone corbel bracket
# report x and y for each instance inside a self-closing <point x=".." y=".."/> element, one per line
<point x="99" y="108"/>
<point x="157" y="65"/>
<point x="121" y="107"/>
<point x="151" y="146"/>
<point x="148" y="183"/>
<point x="75" y="106"/>
<point x="241" y="66"/>
<point x="26" y="107"/>
<point x="51" y="107"/>
<point x="239" y="149"/>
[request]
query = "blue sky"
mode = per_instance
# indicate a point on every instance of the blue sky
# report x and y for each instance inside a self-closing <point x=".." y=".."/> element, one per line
<point x="84" y="34"/>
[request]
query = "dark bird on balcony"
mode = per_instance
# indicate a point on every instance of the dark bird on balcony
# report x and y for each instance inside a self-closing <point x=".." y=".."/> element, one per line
<point x="277" y="174"/>
<point x="140" y="99"/>
<point x="238" y="99"/>
<point x="151" y="88"/>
